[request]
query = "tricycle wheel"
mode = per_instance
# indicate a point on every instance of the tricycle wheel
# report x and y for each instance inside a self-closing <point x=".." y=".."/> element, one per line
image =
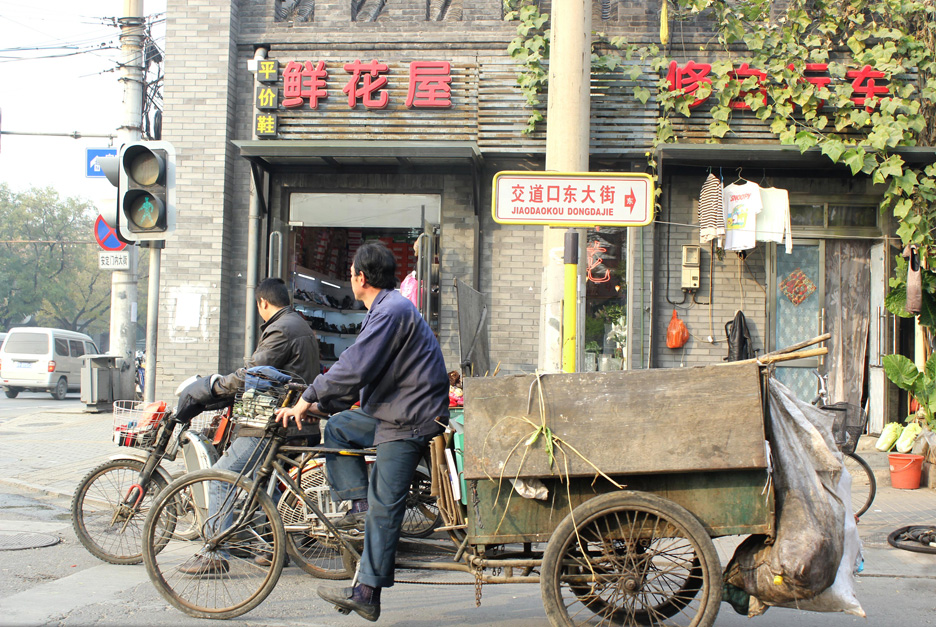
<point x="630" y="558"/>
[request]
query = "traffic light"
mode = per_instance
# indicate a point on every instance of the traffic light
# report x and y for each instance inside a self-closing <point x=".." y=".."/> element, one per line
<point x="146" y="191"/>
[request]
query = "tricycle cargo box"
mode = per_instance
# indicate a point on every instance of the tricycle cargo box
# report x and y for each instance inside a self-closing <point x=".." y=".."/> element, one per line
<point x="631" y="422"/>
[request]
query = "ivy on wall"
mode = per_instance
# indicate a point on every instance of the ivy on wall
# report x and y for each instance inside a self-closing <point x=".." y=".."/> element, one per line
<point x="894" y="37"/>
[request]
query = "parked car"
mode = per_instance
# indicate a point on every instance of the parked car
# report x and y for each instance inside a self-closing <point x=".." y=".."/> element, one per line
<point x="42" y="359"/>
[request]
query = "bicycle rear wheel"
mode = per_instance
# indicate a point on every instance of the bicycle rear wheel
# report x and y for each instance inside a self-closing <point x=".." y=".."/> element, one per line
<point x="106" y="527"/>
<point x="422" y="515"/>
<point x="312" y="546"/>
<point x="864" y="485"/>
<point x="226" y="580"/>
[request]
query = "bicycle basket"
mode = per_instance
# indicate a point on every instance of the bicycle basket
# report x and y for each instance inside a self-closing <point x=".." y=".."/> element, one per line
<point x="136" y="422"/>
<point x="255" y="409"/>
<point x="848" y="424"/>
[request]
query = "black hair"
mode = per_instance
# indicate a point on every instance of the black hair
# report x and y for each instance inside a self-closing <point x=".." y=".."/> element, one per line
<point x="274" y="291"/>
<point x="377" y="263"/>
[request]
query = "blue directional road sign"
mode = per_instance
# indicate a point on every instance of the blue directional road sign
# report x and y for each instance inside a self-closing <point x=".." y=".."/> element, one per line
<point x="92" y="169"/>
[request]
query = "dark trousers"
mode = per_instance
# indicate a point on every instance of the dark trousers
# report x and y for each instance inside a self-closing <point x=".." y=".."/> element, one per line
<point x="386" y="490"/>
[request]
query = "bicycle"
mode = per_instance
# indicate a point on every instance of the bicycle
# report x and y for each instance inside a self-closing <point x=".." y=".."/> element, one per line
<point x="848" y="425"/>
<point x="244" y="558"/>
<point x="112" y="500"/>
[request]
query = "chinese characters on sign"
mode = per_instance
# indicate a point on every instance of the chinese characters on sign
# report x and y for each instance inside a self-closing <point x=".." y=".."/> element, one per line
<point x="573" y="199"/>
<point x="365" y="83"/>
<point x="687" y="78"/>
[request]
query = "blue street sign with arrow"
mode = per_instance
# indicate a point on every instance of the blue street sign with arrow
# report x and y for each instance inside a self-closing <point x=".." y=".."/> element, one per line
<point x="92" y="169"/>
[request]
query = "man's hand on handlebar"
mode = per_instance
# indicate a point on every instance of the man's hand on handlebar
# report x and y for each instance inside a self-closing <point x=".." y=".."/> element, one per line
<point x="303" y="411"/>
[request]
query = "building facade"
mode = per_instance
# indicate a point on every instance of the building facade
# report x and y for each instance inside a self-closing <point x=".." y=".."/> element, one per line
<point x="304" y="128"/>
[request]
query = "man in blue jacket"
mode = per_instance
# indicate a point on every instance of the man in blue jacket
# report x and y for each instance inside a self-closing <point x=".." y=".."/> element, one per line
<point x="395" y="368"/>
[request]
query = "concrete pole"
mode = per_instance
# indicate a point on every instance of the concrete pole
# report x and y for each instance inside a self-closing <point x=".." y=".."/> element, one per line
<point x="124" y="282"/>
<point x="568" y="117"/>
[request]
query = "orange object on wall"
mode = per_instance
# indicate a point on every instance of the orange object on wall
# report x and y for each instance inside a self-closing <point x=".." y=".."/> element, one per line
<point x="676" y="333"/>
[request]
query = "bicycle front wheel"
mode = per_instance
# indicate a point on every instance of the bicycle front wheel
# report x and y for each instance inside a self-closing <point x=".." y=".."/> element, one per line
<point x="864" y="485"/>
<point x="208" y="579"/>
<point x="109" y="529"/>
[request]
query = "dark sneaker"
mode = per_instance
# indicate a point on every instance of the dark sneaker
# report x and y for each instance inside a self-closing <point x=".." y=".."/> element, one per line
<point x="341" y="599"/>
<point x="264" y="560"/>
<point x="203" y="565"/>
<point x="351" y="521"/>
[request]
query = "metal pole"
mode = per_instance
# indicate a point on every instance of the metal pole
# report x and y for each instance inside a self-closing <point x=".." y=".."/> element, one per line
<point x="124" y="282"/>
<point x="568" y="118"/>
<point x="152" y="320"/>
<point x="570" y="301"/>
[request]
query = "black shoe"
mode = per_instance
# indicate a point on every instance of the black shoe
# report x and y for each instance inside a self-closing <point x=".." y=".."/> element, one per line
<point x="341" y="599"/>
<point x="351" y="521"/>
<point x="203" y="565"/>
<point x="264" y="560"/>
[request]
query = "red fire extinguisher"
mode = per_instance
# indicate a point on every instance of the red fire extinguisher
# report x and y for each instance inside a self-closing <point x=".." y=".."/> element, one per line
<point x="676" y="333"/>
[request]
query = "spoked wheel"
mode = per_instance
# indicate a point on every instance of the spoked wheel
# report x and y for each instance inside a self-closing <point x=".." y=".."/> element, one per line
<point x="422" y="513"/>
<point x="186" y="517"/>
<point x="628" y="558"/>
<point x="916" y="538"/>
<point x="215" y="579"/>
<point x="109" y="529"/>
<point x="864" y="485"/>
<point x="309" y="542"/>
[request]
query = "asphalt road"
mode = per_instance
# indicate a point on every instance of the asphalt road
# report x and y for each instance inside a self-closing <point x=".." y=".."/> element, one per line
<point x="30" y="402"/>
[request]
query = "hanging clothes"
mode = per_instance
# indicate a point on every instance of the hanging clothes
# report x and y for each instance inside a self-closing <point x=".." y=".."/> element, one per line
<point x="742" y="203"/>
<point x="773" y="222"/>
<point x="711" y="211"/>
<point x="739" y="339"/>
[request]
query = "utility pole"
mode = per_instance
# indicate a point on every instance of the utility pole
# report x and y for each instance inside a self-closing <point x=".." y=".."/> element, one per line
<point x="568" y="119"/>
<point x="124" y="282"/>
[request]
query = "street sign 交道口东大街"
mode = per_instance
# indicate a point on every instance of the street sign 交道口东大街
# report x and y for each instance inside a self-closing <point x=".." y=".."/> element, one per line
<point x="573" y="198"/>
<point x="106" y="236"/>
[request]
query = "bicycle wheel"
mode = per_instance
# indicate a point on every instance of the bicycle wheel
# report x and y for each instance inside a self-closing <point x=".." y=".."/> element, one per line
<point x="422" y="515"/>
<point x="309" y="542"/>
<point x="628" y="558"/>
<point x="110" y="530"/>
<point x="230" y="578"/>
<point x="864" y="485"/>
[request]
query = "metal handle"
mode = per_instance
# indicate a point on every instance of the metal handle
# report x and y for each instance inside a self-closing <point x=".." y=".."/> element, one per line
<point x="275" y="251"/>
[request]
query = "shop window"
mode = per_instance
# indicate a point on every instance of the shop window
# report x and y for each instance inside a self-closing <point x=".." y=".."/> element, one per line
<point x="807" y="215"/>
<point x="605" y="299"/>
<point x="321" y="279"/>
<point x="847" y="215"/>
<point x="827" y="215"/>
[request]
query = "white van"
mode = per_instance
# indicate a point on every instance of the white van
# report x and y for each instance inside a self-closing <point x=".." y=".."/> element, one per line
<point x="41" y="359"/>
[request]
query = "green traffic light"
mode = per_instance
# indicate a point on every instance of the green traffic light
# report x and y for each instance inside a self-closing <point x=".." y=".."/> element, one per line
<point x="144" y="212"/>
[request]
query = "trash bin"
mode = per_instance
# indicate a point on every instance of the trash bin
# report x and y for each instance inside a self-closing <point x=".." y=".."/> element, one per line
<point x="99" y="379"/>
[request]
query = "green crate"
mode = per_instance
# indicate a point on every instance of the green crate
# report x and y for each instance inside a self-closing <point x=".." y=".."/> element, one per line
<point x="458" y="415"/>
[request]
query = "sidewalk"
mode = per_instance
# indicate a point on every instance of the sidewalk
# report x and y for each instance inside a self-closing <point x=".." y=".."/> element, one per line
<point x="51" y="451"/>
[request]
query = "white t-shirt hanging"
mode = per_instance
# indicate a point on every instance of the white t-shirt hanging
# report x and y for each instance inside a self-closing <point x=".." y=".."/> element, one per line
<point x="773" y="223"/>
<point x="742" y="204"/>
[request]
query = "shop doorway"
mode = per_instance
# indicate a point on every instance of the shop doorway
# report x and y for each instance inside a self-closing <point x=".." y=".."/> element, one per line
<point x="328" y="228"/>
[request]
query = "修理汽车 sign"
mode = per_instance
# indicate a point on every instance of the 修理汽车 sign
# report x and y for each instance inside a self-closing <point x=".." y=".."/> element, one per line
<point x="573" y="199"/>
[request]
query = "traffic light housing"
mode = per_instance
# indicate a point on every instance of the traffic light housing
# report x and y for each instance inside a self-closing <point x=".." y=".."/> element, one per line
<point x="146" y="191"/>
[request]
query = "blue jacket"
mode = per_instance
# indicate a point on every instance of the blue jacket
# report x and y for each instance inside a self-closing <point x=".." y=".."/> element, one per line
<point x="395" y="368"/>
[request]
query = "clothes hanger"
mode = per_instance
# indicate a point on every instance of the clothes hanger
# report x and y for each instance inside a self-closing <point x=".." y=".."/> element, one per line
<point x="740" y="178"/>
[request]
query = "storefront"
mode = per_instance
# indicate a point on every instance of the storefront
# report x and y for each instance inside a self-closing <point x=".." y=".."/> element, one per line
<point x="315" y="134"/>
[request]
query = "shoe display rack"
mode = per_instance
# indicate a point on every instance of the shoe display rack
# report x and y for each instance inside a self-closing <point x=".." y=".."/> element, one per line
<point x="330" y="309"/>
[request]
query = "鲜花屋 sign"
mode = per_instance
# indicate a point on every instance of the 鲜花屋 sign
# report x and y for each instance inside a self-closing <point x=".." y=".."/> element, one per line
<point x="573" y="198"/>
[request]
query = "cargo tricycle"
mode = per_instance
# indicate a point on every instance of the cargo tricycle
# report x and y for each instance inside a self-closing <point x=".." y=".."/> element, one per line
<point x="604" y="488"/>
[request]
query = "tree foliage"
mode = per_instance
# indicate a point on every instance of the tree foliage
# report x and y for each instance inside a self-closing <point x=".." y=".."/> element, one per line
<point x="894" y="37"/>
<point x="48" y="262"/>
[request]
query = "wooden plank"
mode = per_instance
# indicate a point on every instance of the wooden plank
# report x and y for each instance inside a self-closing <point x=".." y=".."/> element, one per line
<point x="726" y="503"/>
<point x="633" y="422"/>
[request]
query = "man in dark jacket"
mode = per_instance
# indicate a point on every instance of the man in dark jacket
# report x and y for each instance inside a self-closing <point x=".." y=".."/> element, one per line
<point x="395" y="368"/>
<point x="286" y="343"/>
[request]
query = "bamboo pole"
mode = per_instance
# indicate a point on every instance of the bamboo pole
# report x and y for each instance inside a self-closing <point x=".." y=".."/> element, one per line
<point x="775" y="357"/>
<point x="796" y="347"/>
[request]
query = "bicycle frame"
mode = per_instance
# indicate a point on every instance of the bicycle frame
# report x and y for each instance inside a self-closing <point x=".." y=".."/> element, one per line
<point x="273" y="465"/>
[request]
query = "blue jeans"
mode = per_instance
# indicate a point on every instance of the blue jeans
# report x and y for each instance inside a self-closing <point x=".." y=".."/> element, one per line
<point x="386" y="490"/>
<point x="243" y="453"/>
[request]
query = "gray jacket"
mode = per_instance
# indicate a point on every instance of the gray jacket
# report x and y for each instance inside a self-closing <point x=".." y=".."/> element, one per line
<point x="287" y="343"/>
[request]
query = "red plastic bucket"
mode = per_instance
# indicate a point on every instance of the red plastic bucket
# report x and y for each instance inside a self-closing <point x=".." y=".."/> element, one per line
<point x="905" y="470"/>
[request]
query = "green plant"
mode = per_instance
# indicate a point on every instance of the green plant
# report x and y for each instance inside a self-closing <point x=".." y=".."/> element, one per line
<point x="592" y="347"/>
<point x="922" y="385"/>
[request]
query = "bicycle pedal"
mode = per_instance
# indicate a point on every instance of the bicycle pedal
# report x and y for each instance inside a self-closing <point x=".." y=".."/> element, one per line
<point x="343" y="610"/>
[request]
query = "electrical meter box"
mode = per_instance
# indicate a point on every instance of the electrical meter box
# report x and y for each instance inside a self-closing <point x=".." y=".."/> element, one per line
<point x="691" y="261"/>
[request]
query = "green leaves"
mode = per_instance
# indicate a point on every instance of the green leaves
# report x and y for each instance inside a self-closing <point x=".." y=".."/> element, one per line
<point x="901" y="371"/>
